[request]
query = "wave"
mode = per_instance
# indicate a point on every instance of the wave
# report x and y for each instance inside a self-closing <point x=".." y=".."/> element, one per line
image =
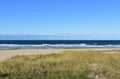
<point x="54" y="46"/>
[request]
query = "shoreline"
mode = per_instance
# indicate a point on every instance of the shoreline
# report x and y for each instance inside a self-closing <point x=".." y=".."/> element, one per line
<point x="5" y="54"/>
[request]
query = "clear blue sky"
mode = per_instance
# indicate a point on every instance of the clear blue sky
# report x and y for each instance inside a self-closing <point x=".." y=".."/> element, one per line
<point x="44" y="17"/>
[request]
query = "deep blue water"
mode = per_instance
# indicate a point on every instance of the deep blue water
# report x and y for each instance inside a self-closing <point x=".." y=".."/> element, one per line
<point x="58" y="44"/>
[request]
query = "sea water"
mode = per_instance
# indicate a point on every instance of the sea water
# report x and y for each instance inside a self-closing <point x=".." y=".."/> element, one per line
<point x="58" y="44"/>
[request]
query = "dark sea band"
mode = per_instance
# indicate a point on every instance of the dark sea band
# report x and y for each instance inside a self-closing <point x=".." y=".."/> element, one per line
<point x="58" y="44"/>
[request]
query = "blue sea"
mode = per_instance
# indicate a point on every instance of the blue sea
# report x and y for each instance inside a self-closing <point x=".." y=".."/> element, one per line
<point x="58" y="44"/>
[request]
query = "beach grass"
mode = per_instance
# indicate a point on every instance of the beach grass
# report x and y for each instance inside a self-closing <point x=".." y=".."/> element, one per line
<point x="67" y="64"/>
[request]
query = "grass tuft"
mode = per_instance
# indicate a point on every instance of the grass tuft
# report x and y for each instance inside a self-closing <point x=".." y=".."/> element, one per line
<point x="68" y="64"/>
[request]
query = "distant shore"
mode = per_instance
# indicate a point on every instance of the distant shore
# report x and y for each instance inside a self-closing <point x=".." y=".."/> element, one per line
<point x="5" y="54"/>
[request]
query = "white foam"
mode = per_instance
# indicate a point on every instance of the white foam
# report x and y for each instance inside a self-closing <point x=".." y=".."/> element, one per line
<point x="82" y="45"/>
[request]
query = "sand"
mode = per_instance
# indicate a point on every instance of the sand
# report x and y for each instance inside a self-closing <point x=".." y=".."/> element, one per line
<point x="5" y="54"/>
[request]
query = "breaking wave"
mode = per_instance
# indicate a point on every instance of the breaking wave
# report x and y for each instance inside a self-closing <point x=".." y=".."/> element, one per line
<point x="54" y="46"/>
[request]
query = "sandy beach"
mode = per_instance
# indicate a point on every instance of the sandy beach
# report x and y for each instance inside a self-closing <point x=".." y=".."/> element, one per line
<point x="5" y="54"/>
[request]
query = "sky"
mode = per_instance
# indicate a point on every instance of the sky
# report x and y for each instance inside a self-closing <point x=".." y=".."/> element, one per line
<point x="97" y="19"/>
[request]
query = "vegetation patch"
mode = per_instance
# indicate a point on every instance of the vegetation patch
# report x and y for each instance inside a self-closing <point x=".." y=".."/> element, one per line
<point x="68" y="64"/>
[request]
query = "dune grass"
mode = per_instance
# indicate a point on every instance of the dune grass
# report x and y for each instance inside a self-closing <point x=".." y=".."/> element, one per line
<point x="69" y="64"/>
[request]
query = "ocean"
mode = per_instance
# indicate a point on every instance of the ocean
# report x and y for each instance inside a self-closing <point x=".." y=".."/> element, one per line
<point x="58" y="44"/>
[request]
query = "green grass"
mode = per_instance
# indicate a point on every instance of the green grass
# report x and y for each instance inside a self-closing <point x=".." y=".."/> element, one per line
<point x="69" y="64"/>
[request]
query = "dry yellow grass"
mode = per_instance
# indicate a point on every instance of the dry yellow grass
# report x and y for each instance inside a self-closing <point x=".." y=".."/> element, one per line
<point x="68" y="64"/>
